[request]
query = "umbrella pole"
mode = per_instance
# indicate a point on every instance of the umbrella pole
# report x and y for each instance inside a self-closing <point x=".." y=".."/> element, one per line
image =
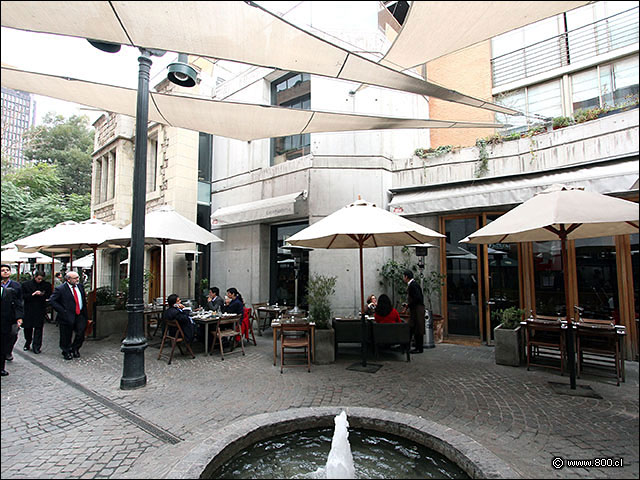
<point x="94" y="293"/>
<point x="164" y="275"/>
<point x="567" y="296"/>
<point x="363" y="324"/>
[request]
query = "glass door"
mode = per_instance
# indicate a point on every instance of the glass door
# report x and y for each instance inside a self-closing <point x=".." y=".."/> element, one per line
<point x="503" y="288"/>
<point x="462" y="278"/>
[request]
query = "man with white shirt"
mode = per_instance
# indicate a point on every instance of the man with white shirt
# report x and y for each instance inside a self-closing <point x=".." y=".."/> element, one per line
<point x="70" y="301"/>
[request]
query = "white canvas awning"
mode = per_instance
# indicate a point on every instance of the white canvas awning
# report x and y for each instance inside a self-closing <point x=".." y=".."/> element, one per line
<point x="615" y="177"/>
<point x="269" y="209"/>
<point x="241" y="121"/>
<point x="235" y="31"/>
<point x="427" y="31"/>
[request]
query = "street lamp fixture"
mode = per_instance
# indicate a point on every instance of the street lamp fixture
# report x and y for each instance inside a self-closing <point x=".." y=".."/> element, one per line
<point x="135" y="343"/>
<point x="181" y="73"/>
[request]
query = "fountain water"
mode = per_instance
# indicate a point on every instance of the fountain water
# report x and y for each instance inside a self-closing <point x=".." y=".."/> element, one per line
<point x="340" y="460"/>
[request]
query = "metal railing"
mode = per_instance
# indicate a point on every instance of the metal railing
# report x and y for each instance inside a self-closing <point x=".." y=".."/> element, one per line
<point x="603" y="36"/>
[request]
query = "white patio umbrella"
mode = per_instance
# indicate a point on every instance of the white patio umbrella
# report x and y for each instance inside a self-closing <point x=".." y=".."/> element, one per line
<point x="71" y="236"/>
<point x="12" y="255"/>
<point x="165" y="226"/>
<point x="362" y="225"/>
<point x="562" y="213"/>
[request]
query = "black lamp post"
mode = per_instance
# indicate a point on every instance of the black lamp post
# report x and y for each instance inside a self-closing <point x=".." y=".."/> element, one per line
<point x="135" y="343"/>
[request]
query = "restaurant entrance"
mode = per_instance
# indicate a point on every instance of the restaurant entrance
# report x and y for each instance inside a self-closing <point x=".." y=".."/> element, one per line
<point x="284" y="265"/>
<point x="480" y="279"/>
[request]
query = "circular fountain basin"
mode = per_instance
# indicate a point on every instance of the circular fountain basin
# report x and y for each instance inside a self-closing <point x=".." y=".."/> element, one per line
<point x="219" y="448"/>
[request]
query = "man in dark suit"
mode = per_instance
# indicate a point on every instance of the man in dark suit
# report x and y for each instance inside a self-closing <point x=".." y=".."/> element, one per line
<point x="6" y="282"/>
<point x="10" y="321"/>
<point x="415" y="301"/>
<point x="35" y="293"/>
<point x="70" y="301"/>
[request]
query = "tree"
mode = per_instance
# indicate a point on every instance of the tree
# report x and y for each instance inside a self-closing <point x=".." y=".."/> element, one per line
<point x="56" y="186"/>
<point x="66" y="143"/>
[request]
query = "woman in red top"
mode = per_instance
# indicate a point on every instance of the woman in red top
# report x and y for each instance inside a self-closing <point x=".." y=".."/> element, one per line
<point x="385" y="313"/>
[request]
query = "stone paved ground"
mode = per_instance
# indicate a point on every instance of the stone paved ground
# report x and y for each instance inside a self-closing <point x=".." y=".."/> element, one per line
<point x="69" y="419"/>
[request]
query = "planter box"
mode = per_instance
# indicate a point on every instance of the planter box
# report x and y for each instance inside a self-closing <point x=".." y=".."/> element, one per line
<point x="325" y="352"/>
<point x="508" y="346"/>
<point x="110" y="321"/>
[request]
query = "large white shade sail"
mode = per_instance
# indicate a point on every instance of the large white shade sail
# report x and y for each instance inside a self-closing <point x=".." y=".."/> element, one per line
<point x="242" y="121"/>
<point x="428" y="30"/>
<point x="229" y="30"/>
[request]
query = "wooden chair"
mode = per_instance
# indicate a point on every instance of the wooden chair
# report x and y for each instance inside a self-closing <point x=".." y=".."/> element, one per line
<point x="545" y="339"/>
<point x="177" y="338"/>
<point x="247" y="326"/>
<point x="231" y="333"/>
<point x="259" y="318"/>
<point x="601" y="342"/>
<point x="295" y="337"/>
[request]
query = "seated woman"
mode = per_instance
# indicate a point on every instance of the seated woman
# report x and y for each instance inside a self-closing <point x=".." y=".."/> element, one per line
<point x="370" y="309"/>
<point x="236" y="305"/>
<point x="175" y="312"/>
<point x="385" y="313"/>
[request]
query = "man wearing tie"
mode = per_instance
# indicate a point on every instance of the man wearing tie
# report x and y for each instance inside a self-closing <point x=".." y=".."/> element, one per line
<point x="70" y="301"/>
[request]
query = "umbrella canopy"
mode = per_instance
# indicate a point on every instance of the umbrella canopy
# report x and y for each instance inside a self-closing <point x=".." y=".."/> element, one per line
<point x="12" y="255"/>
<point x="164" y="226"/>
<point x="69" y="236"/>
<point x="362" y="225"/>
<point x="562" y="213"/>
<point x="581" y="214"/>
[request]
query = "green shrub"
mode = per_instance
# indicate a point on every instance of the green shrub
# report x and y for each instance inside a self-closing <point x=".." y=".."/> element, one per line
<point x="105" y="296"/>
<point x="320" y="289"/>
<point x="559" y="122"/>
<point x="509" y="318"/>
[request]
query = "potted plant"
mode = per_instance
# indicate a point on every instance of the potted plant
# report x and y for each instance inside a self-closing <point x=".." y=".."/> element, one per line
<point x="508" y="340"/>
<point x="109" y="319"/>
<point x="561" y="122"/>
<point x="320" y="290"/>
<point x="432" y="287"/>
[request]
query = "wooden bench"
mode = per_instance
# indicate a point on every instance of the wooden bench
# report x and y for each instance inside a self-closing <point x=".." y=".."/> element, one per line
<point x="545" y="340"/>
<point x="603" y="343"/>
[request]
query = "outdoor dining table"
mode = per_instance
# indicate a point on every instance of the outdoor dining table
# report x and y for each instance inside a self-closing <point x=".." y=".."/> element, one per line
<point x="211" y="318"/>
<point x="152" y="313"/>
<point x="275" y="326"/>
<point x="270" y="312"/>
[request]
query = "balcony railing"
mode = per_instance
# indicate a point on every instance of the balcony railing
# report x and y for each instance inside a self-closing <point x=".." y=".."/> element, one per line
<point x="603" y="36"/>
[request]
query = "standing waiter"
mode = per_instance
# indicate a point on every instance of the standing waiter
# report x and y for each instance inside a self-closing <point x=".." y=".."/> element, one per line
<point x="70" y="301"/>
<point x="415" y="301"/>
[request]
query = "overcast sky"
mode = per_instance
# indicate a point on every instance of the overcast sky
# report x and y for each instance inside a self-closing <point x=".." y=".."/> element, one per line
<point x="73" y="57"/>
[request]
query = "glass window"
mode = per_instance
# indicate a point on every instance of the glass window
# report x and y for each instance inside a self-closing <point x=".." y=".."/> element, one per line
<point x="597" y="278"/>
<point x="585" y="89"/>
<point x="548" y="279"/>
<point x="625" y="79"/>
<point x="152" y="163"/>
<point x="292" y="91"/>
<point x="545" y="99"/>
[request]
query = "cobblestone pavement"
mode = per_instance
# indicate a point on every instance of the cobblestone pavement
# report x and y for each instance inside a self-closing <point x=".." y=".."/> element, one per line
<point x="70" y="419"/>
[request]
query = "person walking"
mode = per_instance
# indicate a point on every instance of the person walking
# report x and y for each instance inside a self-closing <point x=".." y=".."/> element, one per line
<point x="6" y="282"/>
<point x="70" y="301"/>
<point x="10" y="320"/>
<point x="35" y="293"/>
<point x="415" y="302"/>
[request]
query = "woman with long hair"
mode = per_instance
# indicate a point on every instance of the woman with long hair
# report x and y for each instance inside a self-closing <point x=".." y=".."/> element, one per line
<point x="385" y="313"/>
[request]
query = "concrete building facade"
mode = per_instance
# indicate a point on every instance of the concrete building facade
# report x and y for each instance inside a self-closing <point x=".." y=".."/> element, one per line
<point x="263" y="191"/>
